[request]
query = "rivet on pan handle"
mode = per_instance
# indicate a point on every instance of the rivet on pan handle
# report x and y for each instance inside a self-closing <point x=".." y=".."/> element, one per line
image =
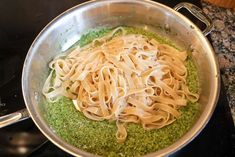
<point x="13" y="117"/>
<point x="198" y="13"/>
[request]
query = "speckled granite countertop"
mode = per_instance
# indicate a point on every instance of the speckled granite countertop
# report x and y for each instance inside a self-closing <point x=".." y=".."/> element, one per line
<point x="223" y="40"/>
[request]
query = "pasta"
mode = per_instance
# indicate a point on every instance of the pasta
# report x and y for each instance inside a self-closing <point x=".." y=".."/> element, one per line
<point x="127" y="78"/>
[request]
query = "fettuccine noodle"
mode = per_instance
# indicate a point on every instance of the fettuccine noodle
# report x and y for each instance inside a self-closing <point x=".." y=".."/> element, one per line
<point x="127" y="78"/>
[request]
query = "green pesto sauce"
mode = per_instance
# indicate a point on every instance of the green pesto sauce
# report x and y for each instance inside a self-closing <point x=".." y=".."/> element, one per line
<point x="91" y="35"/>
<point x="99" y="137"/>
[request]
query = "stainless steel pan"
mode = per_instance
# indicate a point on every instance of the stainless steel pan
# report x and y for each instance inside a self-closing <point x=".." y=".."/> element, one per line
<point x="67" y="28"/>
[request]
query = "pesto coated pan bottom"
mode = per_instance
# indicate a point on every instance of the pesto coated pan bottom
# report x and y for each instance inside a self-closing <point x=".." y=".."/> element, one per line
<point x="99" y="137"/>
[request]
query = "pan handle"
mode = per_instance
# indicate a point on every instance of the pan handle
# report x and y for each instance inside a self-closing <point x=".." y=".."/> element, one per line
<point x="198" y="13"/>
<point x="14" y="117"/>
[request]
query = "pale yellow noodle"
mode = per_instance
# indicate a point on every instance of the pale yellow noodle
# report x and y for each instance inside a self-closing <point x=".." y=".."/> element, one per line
<point x="126" y="78"/>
